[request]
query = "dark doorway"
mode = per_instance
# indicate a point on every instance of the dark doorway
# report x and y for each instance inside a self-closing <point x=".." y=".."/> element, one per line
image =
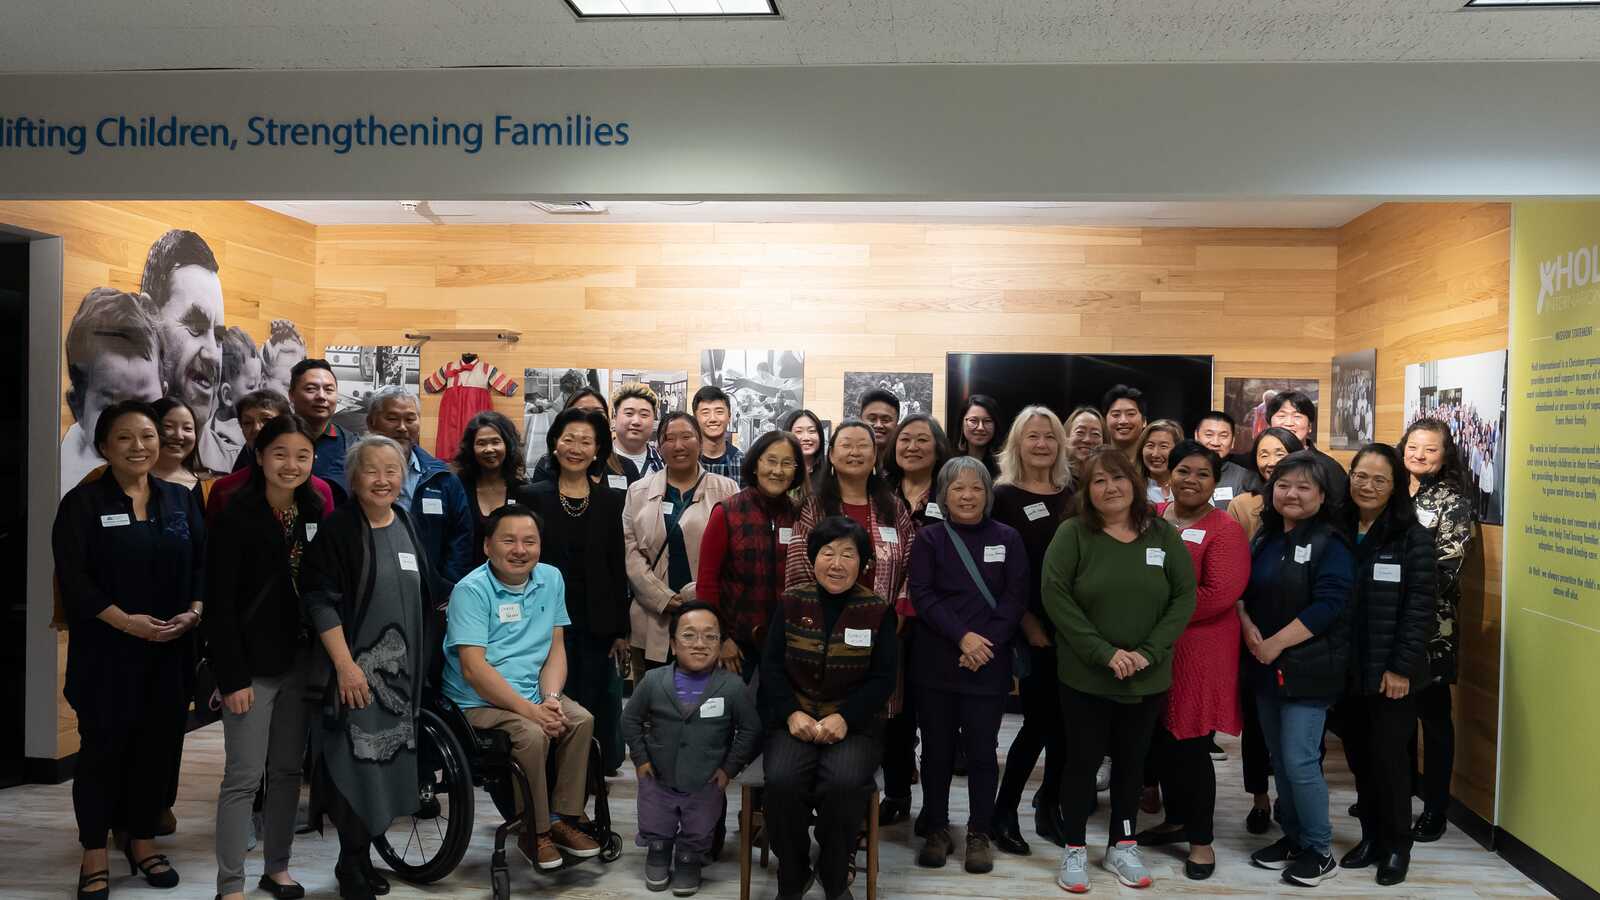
<point x="13" y="502"/>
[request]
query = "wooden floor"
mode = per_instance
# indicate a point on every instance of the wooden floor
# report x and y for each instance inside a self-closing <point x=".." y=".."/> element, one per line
<point x="39" y="856"/>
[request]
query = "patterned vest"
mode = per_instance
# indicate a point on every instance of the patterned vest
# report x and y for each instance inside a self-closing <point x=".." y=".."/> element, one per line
<point x="752" y="570"/>
<point x="822" y="668"/>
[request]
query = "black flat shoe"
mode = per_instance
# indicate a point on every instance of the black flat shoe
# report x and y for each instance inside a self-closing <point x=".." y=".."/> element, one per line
<point x="1159" y="837"/>
<point x="1007" y="836"/>
<point x="291" y="891"/>
<point x="894" y="810"/>
<point x="1258" y="822"/>
<point x="1429" y="828"/>
<point x="353" y="885"/>
<point x="103" y="876"/>
<point x="1360" y="856"/>
<point x="1393" y="868"/>
<point x="378" y="883"/>
<point x="1047" y="824"/>
<point x="1198" y="871"/>
<point x="147" y="866"/>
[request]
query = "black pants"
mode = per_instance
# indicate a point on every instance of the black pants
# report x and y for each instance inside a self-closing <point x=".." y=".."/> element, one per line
<point x="126" y="769"/>
<point x="593" y="681"/>
<point x="1435" y="712"/>
<point x="972" y="722"/>
<point x="1375" y="731"/>
<point x="1041" y="731"/>
<point x="1097" y="728"/>
<point x="900" y="739"/>
<point x="836" y="780"/>
<point x="355" y="841"/>
<point x="1253" y="745"/>
<point x="1188" y="783"/>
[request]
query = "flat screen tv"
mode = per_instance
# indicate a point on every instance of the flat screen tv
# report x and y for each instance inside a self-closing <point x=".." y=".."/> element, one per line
<point x="1175" y="387"/>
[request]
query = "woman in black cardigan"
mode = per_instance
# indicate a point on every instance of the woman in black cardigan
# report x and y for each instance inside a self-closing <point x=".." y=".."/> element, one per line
<point x="260" y="651"/>
<point x="1391" y="620"/>
<point x="129" y="550"/>
<point x="583" y="539"/>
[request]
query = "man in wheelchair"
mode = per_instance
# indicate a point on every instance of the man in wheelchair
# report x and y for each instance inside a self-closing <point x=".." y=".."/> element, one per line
<point x="505" y="667"/>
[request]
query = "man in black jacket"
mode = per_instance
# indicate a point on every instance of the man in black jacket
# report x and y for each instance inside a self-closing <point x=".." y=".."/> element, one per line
<point x="1297" y="412"/>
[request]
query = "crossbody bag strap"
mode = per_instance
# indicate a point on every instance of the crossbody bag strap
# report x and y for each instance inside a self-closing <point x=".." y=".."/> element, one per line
<point x="972" y="568"/>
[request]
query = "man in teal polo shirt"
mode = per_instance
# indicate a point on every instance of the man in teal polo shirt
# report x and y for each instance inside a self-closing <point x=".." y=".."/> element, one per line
<point x="505" y="666"/>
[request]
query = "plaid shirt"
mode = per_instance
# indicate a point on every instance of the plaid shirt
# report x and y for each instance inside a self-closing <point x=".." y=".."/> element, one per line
<point x="728" y="466"/>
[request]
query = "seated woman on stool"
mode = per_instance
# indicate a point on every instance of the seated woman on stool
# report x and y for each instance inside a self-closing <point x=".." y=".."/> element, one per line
<point x="826" y="675"/>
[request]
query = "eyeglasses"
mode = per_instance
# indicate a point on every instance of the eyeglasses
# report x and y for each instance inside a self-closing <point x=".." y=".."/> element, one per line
<point x="1378" y="481"/>
<point x="692" y="638"/>
<point x="782" y="465"/>
<point x="978" y="423"/>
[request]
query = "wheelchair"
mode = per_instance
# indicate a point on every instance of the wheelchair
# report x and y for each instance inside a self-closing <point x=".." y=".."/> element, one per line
<point x="454" y="759"/>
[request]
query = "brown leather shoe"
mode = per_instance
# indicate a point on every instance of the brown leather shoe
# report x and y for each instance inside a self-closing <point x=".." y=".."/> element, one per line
<point x="570" y="840"/>
<point x="539" y="851"/>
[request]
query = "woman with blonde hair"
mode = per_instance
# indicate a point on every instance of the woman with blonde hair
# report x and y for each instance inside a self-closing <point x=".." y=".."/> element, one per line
<point x="1154" y="446"/>
<point x="1032" y="494"/>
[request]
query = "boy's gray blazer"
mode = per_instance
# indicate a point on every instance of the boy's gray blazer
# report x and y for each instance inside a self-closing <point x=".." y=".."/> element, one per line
<point x="686" y="747"/>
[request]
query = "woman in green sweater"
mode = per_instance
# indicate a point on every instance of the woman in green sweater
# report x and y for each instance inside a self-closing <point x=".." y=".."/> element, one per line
<point x="1120" y="588"/>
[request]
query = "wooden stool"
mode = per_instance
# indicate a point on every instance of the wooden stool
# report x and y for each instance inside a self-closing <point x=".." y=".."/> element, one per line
<point x="750" y="819"/>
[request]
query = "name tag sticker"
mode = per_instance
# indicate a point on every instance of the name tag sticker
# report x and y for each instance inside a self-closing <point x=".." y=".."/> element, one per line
<point x="1194" y="535"/>
<point x="996" y="553"/>
<point x="432" y="506"/>
<point x="1222" y="495"/>
<point x="713" y="708"/>
<point x="785" y="535"/>
<point x="311" y="530"/>
<point x="1302" y="553"/>
<point x="933" y="511"/>
<point x="889" y="535"/>
<point x="858" y="637"/>
<point x="114" y="521"/>
<point x="408" y="561"/>
<point x="1427" y="517"/>
<point x="1389" y="572"/>
<point x="620" y="482"/>
<point x="510" y="612"/>
<point x="1155" y="556"/>
<point x="1035" y="511"/>
<point x="667" y="508"/>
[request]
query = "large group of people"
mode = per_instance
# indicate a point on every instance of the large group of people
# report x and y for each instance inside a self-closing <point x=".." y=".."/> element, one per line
<point x="829" y="602"/>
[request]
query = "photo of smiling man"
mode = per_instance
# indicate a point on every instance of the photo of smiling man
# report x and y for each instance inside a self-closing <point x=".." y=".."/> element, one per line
<point x="113" y="351"/>
<point x="180" y="276"/>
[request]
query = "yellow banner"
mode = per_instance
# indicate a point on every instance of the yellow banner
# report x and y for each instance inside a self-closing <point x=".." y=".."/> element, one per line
<point x="1550" y="729"/>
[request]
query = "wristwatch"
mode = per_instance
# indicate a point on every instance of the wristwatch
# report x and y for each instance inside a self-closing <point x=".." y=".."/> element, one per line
<point x="556" y="696"/>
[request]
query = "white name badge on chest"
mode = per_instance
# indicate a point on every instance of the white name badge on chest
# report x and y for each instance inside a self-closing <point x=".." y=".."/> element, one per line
<point x="1427" y="517"/>
<point x="1194" y="535"/>
<point x="713" y="708"/>
<point x="1155" y="556"/>
<point x="667" y="508"/>
<point x="1035" y="511"/>
<point x="311" y="530"/>
<point x="933" y="511"/>
<point x="1302" y="553"/>
<point x="785" y="535"/>
<point x="408" y="561"/>
<point x="510" y="612"/>
<point x="114" y="521"/>
<point x="620" y="482"/>
<point x="432" y="506"/>
<point x="1222" y="495"/>
<point x="996" y="553"/>
<point x="888" y="535"/>
<point x="858" y="637"/>
<point x="1389" y="572"/>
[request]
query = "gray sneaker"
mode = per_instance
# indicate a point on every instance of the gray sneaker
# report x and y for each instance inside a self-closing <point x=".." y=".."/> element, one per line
<point x="658" y="865"/>
<point x="1073" y="876"/>
<point x="1124" y="861"/>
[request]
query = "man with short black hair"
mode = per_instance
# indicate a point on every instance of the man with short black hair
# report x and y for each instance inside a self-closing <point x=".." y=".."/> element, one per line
<point x="713" y="410"/>
<point x="314" y="394"/>
<point x="1215" y="432"/>
<point x="113" y="351"/>
<point x="633" y="421"/>
<point x="180" y="277"/>
<point x="432" y="494"/>
<point x="1297" y="412"/>
<point x="1125" y="418"/>
<point x="880" y="409"/>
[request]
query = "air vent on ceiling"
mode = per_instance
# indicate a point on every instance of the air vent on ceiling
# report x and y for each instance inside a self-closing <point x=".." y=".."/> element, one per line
<point x="573" y="208"/>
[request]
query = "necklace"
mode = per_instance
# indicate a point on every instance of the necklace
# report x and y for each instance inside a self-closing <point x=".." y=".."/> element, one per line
<point x="574" y="508"/>
<point x="1185" y="523"/>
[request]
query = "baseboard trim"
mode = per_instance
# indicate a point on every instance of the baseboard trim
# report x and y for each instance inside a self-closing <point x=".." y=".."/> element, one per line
<point x="1471" y="824"/>
<point x="40" y="770"/>
<point x="1537" y="866"/>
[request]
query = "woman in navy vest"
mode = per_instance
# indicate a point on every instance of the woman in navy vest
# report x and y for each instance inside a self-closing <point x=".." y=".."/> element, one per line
<point x="1296" y="628"/>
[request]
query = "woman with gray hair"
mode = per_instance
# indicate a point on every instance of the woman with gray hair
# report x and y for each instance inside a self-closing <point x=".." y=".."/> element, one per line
<point x="366" y="585"/>
<point x="969" y="583"/>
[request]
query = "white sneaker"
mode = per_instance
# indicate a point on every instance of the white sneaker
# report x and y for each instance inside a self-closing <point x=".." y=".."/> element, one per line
<point x="1073" y="875"/>
<point x="1102" y="778"/>
<point x="1124" y="861"/>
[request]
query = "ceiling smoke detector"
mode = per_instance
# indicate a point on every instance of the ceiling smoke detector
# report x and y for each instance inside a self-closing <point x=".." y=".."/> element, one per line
<point x="571" y="208"/>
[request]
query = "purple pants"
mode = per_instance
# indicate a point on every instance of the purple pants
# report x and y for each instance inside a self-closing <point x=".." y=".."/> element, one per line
<point x="688" y="819"/>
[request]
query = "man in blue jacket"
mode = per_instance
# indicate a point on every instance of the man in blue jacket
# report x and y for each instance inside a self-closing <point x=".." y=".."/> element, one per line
<point x="433" y="495"/>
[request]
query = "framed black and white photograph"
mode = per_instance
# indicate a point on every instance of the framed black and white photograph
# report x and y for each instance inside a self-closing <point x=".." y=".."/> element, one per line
<point x="1353" y="412"/>
<point x="914" y="390"/>
<point x="545" y="393"/>
<point x="671" y="387"/>
<point x="1246" y="400"/>
<point x="362" y="370"/>
<point x="764" y="385"/>
<point x="1468" y="393"/>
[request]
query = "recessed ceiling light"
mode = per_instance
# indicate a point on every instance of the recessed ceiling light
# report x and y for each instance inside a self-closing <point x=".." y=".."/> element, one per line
<point x="672" y="9"/>
<point x="1530" y="4"/>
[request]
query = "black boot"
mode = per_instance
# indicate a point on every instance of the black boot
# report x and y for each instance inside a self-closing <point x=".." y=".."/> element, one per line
<point x="1429" y="828"/>
<point x="1007" y="835"/>
<point x="352" y="882"/>
<point x="1393" y="867"/>
<point x="894" y="810"/>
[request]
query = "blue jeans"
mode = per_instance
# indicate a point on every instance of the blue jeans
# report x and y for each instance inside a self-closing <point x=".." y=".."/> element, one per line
<point x="1293" y="731"/>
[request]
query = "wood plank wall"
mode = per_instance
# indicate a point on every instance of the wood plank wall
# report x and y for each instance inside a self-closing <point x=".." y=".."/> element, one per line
<point x="266" y="263"/>
<point x="1422" y="282"/>
<point x="882" y="297"/>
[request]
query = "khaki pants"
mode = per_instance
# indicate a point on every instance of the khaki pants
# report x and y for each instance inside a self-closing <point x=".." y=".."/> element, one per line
<point x="531" y="746"/>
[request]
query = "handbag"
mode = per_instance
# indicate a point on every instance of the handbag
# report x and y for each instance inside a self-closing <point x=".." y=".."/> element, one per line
<point x="1021" y="660"/>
